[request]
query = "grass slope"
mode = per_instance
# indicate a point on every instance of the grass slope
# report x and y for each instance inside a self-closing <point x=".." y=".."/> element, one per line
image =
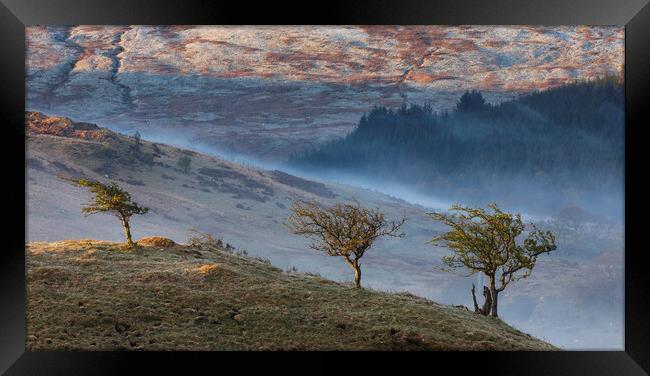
<point x="94" y="295"/>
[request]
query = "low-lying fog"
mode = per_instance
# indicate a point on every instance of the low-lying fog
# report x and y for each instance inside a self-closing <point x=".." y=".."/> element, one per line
<point x="532" y="203"/>
<point x="584" y="309"/>
<point x="574" y="298"/>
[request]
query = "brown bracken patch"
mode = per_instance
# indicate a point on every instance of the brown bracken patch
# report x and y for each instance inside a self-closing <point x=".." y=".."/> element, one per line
<point x="156" y="241"/>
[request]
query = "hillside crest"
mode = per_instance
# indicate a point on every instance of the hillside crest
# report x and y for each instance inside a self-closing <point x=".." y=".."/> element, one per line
<point x="213" y="298"/>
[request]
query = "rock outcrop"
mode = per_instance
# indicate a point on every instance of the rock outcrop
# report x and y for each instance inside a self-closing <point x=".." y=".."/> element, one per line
<point x="36" y="122"/>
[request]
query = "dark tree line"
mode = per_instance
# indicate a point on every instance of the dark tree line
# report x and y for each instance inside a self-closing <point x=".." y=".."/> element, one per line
<point x="565" y="138"/>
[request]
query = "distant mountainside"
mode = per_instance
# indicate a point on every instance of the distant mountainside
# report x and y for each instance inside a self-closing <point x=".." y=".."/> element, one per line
<point x="269" y="91"/>
<point x="565" y="143"/>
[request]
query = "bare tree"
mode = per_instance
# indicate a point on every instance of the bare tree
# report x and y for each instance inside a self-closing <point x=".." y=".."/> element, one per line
<point x="485" y="241"/>
<point x="344" y="230"/>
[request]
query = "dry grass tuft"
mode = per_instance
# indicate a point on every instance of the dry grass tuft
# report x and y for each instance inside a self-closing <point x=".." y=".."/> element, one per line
<point x="156" y="241"/>
<point x="207" y="269"/>
<point x="50" y="275"/>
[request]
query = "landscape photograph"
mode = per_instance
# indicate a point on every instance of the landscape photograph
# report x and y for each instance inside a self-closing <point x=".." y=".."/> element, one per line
<point x="324" y="188"/>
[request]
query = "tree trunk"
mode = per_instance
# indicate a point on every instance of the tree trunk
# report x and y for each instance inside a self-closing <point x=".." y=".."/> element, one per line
<point x="127" y="232"/>
<point x="495" y="296"/>
<point x="476" y="308"/>
<point x="487" y="304"/>
<point x="357" y="275"/>
<point x="354" y="264"/>
<point x="487" y="301"/>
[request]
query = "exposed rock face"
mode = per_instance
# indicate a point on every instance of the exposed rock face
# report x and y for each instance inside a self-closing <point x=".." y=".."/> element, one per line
<point x="264" y="90"/>
<point x="36" y="122"/>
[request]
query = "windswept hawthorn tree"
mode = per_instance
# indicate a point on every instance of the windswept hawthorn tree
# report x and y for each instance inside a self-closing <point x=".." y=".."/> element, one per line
<point x="485" y="241"/>
<point x="110" y="198"/>
<point x="344" y="230"/>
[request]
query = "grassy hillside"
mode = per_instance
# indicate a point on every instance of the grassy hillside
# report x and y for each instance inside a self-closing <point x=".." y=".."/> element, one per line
<point x="216" y="196"/>
<point x="247" y="207"/>
<point x="95" y="295"/>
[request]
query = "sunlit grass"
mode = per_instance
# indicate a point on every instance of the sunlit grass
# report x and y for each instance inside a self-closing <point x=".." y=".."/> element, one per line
<point x="94" y="295"/>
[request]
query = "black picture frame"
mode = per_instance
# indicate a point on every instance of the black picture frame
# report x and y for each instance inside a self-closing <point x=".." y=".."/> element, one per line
<point x="16" y="14"/>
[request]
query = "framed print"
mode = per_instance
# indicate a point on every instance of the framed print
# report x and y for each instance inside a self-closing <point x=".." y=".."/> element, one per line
<point x="458" y="179"/>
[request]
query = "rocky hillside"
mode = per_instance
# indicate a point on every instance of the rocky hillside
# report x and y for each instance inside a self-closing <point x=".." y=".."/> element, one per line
<point x="271" y="91"/>
<point x="91" y="295"/>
